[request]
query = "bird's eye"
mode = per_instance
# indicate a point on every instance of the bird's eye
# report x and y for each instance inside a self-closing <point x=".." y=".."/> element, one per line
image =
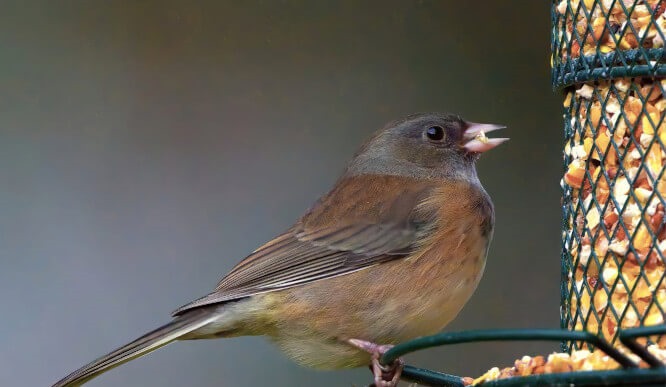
<point x="435" y="133"/>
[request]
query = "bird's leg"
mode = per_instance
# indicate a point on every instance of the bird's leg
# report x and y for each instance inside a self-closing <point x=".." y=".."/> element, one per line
<point x="385" y="376"/>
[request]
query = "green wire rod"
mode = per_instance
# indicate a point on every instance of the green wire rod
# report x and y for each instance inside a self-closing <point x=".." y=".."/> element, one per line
<point x="628" y="375"/>
<point x="618" y="64"/>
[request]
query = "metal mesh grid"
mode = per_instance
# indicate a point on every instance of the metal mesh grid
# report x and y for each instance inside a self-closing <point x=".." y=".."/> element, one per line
<point x="614" y="187"/>
<point x="614" y="196"/>
<point x="603" y="39"/>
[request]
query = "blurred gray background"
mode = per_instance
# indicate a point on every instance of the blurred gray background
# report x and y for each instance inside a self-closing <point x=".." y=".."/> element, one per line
<point x="146" y="147"/>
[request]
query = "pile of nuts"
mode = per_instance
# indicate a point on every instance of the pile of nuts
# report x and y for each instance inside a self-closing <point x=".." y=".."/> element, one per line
<point x="614" y="23"/>
<point x="578" y="360"/>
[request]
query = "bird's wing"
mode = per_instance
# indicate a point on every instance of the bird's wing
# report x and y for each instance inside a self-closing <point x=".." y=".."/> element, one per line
<point x="347" y="230"/>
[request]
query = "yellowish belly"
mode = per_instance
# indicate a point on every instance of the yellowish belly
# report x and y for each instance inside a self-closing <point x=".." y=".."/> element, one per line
<point x="385" y="304"/>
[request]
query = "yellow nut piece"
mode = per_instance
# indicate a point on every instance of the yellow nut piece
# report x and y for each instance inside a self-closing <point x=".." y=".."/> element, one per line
<point x="600" y="301"/>
<point x="567" y="100"/>
<point x="642" y="239"/>
<point x="575" y="174"/>
<point x="653" y="160"/>
<point x="595" y="115"/>
<point x="642" y="194"/>
<point x="649" y="123"/>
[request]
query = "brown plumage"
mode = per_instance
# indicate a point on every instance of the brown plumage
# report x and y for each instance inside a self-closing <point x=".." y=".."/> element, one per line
<point x="392" y="252"/>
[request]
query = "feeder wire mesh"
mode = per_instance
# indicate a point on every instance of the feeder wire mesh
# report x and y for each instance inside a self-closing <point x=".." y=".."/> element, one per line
<point x="614" y="188"/>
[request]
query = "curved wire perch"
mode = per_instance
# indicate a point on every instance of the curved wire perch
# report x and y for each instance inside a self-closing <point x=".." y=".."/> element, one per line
<point x="629" y="375"/>
<point x="628" y="338"/>
<point x="430" y="378"/>
<point x="504" y="335"/>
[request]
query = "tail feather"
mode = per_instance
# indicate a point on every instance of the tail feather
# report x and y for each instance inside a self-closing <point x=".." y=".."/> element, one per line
<point x="147" y="343"/>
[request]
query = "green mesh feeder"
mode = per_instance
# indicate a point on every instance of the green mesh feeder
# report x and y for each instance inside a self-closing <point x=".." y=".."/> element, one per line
<point x="608" y="59"/>
<point x="614" y="188"/>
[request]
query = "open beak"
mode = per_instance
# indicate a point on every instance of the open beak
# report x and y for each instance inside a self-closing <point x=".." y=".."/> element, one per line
<point x="476" y="140"/>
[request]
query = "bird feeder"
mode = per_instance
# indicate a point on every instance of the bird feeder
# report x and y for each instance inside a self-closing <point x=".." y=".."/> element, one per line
<point x="607" y="55"/>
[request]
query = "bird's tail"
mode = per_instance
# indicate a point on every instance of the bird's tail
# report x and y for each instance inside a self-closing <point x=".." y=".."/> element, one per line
<point x="147" y="343"/>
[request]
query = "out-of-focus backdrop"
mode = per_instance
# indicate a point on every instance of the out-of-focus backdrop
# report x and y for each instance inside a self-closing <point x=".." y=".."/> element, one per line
<point x="146" y="147"/>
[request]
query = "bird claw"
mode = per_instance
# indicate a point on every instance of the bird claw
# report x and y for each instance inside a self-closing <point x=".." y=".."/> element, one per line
<point x="385" y="375"/>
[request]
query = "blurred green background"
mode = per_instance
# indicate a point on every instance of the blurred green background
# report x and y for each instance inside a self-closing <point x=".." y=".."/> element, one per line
<point x="147" y="146"/>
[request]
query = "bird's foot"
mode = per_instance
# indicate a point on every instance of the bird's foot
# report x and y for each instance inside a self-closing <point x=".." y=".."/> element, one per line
<point x="385" y="375"/>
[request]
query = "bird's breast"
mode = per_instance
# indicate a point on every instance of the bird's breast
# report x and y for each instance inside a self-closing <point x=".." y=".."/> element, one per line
<point x="393" y="301"/>
<point x="451" y="258"/>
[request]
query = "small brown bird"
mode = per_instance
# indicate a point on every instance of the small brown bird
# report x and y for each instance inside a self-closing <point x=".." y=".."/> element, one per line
<point x="392" y="252"/>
